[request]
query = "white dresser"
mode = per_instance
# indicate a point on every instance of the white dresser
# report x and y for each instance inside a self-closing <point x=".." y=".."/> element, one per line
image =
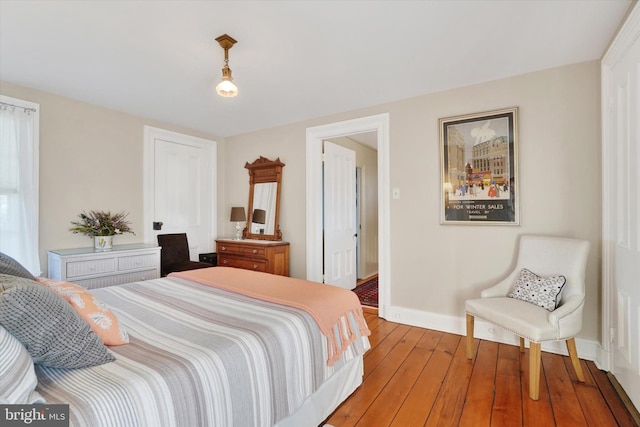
<point x="96" y="269"/>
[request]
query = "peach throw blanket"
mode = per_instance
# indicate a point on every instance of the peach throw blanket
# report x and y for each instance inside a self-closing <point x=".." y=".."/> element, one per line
<point x="328" y="305"/>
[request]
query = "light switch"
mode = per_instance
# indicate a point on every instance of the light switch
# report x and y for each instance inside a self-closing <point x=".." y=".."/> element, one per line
<point x="396" y="193"/>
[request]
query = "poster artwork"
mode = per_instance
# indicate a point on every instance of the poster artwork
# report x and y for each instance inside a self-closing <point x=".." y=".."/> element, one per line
<point x="479" y="161"/>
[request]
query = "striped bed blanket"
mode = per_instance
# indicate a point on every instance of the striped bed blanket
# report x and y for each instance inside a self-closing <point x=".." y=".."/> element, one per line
<point x="199" y="356"/>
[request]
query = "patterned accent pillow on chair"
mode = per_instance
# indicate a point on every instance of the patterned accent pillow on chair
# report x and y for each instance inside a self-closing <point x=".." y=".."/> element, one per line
<point x="541" y="291"/>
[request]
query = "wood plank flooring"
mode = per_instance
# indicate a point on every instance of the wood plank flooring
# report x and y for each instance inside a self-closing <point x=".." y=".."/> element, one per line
<point x="421" y="377"/>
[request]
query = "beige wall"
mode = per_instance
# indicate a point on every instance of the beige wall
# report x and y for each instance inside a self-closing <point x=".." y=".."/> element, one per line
<point x="91" y="157"/>
<point x="434" y="267"/>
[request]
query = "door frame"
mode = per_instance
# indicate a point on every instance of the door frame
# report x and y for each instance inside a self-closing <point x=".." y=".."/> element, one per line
<point x="150" y="135"/>
<point x="315" y="136"/>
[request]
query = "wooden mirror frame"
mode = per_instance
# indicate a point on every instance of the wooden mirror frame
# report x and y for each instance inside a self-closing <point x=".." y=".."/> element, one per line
<point x="263" y="171"/>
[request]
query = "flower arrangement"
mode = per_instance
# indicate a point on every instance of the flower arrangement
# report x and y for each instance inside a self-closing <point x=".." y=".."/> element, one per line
<point x="100" y="223"/>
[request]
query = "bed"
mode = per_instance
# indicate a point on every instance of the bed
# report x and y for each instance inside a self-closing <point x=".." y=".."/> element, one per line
<point x="219" y="347"/>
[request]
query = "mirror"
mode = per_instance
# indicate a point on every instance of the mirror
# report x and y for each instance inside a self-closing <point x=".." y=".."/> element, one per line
<point x="263" y="209"/>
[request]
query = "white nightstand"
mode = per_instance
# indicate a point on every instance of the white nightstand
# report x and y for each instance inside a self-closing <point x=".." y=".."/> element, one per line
<point x="96" y="269"/>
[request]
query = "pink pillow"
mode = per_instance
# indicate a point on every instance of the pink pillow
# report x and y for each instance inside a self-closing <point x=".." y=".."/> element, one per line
<point x="96" y="313"/>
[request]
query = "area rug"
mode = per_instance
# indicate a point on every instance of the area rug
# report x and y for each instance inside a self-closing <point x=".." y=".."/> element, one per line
<point x="368" y="292"/>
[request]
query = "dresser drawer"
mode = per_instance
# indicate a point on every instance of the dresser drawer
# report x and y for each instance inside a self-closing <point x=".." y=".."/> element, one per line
<point x="242" y="249"/>
<point x="90" y="267"/>
<point x="117" y="279"/>
<point x="136" y="261"/>
<point x="247" y="264"/>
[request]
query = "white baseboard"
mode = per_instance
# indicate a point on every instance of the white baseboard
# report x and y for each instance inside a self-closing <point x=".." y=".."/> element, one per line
<point x="587" y="349"/>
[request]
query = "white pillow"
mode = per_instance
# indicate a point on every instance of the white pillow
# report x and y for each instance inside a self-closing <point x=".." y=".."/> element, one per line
<point x="17" y="375"/>
<point x="541" y="291"/>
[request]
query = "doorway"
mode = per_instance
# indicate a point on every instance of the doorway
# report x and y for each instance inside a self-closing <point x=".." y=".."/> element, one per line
<point x="315" y="137"/>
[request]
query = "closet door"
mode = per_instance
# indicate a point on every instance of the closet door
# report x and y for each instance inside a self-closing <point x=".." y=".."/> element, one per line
<point x="621" y="206"/>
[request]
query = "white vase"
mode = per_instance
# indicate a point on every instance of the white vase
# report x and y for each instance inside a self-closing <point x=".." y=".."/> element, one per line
<point x="103" y="243"/>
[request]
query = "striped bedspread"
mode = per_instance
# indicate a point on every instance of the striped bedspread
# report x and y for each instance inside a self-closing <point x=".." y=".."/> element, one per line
<point x="198" y="356"/>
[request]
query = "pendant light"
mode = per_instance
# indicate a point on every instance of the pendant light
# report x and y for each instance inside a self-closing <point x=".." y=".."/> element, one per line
<point x="226" y="87"/>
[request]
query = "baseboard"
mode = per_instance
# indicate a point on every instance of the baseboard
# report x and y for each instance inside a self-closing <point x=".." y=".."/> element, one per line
<point x="587" y="349"/>
<point x="633" y="411"/>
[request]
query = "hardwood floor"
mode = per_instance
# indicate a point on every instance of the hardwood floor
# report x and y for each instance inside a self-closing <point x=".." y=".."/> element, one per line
<point x="421" y="377"/>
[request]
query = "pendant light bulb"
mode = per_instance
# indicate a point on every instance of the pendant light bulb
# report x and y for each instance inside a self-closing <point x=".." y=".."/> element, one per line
<point x="226" y="87"/>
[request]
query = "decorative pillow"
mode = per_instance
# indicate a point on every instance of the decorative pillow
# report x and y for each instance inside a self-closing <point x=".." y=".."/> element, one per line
<point x="96" y="313"/>
<point x="49" y="328"/>
<point x="541" y="291"/>
<point x="18" y="379"/>
<point x="12" y="267"/>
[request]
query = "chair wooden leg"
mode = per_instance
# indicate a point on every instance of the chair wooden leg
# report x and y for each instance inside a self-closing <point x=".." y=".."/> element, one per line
<point x="470" y="320"/>
<point x="573" y="354"/>
<point x="521" y="345"/>
<point x="534" y="370"/>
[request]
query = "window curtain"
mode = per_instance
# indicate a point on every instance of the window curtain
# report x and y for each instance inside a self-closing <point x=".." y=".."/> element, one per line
<point x="19" y="182"/>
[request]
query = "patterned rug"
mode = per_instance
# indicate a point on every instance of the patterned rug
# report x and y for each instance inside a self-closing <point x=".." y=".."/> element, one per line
<point x="368" y="292"/>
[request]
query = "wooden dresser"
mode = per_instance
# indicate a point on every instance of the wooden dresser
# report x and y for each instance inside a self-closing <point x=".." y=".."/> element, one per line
<point x="259" y="255"/>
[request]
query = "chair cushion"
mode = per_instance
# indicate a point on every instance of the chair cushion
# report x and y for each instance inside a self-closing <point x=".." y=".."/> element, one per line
<point x="522" y="318"/>
<point x="184" y="266"/>
<point x="541" y="291"/>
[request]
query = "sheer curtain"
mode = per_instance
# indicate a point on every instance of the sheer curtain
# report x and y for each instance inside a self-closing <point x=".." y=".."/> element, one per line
<point x="19" y="141"/>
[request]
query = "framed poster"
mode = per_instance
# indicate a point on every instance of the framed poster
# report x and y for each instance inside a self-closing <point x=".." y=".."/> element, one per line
<point x="479" y="164"/>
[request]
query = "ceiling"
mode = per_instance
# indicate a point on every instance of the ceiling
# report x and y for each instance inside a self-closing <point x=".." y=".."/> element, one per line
<point x="294" y="60"/>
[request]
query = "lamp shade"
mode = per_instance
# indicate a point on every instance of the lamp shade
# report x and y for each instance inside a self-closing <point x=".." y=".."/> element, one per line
<point x="226" y="87"/>
<point x="259" y="216"/>
<point x="237" y="214"/>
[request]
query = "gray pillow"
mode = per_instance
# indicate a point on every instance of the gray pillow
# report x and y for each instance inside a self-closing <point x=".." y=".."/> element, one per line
<point x="53" y="333"/>
<point x="12" y="267"/>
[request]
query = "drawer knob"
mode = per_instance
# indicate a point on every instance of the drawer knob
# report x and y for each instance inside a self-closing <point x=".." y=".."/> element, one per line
<point x="255" y="266"/>
<point x="224" y="248"/>
<point x="255" y="251"/>
<point x="225" y="261"/>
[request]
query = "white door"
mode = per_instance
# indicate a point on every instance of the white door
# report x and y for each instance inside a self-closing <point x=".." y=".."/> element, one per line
<point x="182" y="188"/>
<point x="621" y="225"/>
<point x="339" y="216"/>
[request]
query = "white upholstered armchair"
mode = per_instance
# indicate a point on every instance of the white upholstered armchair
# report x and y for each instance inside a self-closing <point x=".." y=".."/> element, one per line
<point x="549" y="258"/>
